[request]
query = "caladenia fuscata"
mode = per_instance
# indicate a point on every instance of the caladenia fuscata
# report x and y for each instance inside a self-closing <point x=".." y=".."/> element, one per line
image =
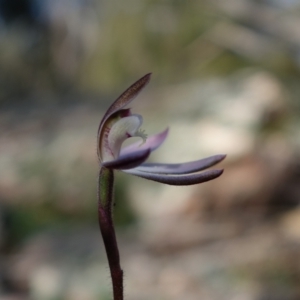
<point x="118" y="125"/>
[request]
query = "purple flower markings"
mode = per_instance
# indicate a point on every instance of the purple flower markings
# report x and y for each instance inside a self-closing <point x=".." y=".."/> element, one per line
<point x="119" y="124"/>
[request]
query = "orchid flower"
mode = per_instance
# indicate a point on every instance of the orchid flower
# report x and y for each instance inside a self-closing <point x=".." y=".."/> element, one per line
<point x="118" y="125"/>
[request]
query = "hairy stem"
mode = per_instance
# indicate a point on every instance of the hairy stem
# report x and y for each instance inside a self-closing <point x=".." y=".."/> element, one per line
<point x="105" y="203"/>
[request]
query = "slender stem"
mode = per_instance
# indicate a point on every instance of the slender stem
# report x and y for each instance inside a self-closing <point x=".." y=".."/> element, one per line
<point x="105" y="202"/>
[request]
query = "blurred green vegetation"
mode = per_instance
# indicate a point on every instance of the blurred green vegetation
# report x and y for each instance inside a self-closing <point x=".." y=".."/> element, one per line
<point x="50" y="209"/>
<point x="122" y="41"/>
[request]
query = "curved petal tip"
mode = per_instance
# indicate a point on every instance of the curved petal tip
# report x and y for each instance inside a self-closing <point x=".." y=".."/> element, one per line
<point x="152" y="142"/>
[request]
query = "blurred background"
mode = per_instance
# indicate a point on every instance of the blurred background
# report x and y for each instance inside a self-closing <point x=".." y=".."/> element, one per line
<point x="225" y="80"/>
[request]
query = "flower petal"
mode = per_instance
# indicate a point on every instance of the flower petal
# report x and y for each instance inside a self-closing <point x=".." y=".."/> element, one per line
<point x="183" y="168"/>
<point x="177" y="180"/>
<point x="152" y="142"/>
<point x="128" y="161"/>
<point x="125" y="98"/>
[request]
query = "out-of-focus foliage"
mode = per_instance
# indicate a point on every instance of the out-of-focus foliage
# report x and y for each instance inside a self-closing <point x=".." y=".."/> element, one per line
<point x="50" y="46"/>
